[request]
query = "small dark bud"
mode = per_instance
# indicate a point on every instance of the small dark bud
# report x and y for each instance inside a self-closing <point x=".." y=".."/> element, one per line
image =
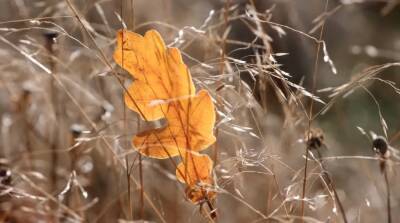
<point x="314" y="138"/>
<point x="107" y="110"/>
<point x="51" y="35"/>
<point x="3" y="172"/>
<point x="76" y="130"/>
<point x="5" y="176"/>
<point x="380" y="145"/>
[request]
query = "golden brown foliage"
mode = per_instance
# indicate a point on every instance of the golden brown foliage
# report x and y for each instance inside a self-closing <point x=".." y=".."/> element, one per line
<point x="163" y="88"/>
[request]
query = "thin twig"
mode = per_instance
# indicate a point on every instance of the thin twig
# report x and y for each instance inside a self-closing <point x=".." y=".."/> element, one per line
<point x="389" y="211"/>
<point x="314" y="86"/>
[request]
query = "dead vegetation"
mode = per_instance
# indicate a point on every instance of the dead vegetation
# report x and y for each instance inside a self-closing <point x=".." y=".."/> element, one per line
<point x="305" y="93"/>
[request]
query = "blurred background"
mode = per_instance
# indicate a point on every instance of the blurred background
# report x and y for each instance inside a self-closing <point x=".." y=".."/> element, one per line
<point x="65" y="152"/>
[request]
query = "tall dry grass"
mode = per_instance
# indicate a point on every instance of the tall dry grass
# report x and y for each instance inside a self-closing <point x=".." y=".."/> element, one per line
<point x="305" y="92"/>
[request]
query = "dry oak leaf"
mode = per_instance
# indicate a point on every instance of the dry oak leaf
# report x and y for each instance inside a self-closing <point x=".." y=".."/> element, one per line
<point x="195" y="168"/>
<point x="190" y="129"/>
<point x="159" y="72"/>
<point x="195" y="171"/>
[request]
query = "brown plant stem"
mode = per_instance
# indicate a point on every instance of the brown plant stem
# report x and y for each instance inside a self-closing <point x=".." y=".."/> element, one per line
<point x="314" y="86"/>
<point x="54" y="99"/>
<point x="127" y="170"/>
<point x="389" y="211"/>
<point x="332" y="187"/>
<point x="141" y="187"/>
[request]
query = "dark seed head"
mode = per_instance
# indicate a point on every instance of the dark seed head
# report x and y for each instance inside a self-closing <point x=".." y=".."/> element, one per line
<point x="3" y="172"/>
<point x="5" y="176"/>
<point x="380" y="145"/>
<point x="50" y="35"/>
<point x="315" y="138"/>
<point x="76" y="130"/>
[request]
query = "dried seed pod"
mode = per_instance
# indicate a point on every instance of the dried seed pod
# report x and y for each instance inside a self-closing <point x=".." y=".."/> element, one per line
<point x="5" y="173"/>
<point x="314" y="138"/>
<point x="50" y="35"/>
<point x="381" y="148"/>
<point x="107" y="110"/>
<point x="76" y="130"/>
<point x="380" y="145"/>
<point x="5" y="176"/>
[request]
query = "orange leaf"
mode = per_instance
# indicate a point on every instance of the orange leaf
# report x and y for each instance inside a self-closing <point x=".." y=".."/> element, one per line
<point x="159" y="72"/>
<point x="195" y="168"/>
<point x="190" y="128"/>
<point x="199" y="194"/>
<point x="163" y="88"/>
<point x="195" y="171"/>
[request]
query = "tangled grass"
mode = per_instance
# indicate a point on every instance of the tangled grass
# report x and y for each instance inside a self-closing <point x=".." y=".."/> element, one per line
<point x="308" y="121"/>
